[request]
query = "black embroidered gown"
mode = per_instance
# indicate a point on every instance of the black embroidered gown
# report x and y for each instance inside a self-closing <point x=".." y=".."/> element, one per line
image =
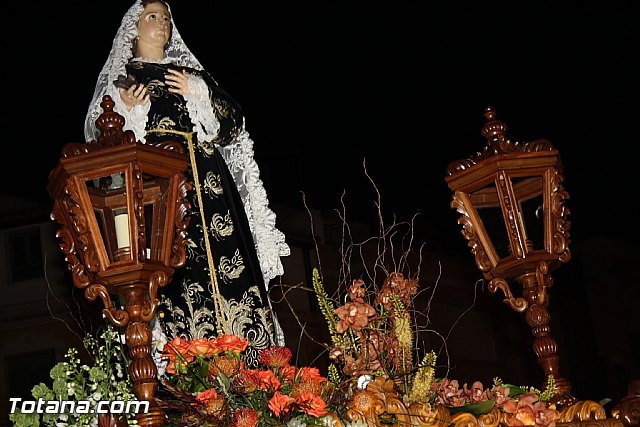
<point x="189" y="301"/>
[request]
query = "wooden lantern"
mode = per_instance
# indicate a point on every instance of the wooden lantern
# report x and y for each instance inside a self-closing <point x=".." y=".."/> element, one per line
<point x="120" y="205"/>
<point x="513" y="214"/>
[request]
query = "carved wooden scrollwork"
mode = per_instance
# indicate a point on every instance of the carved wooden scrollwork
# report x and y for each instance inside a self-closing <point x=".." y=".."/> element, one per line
<point x="518" y="304"/>
<point x="178" y="255"/>
<point x="138" y="209"/>
<point x="505" y="193"/>
<point x="80" y="224"/>
<point x="469" y="233"/>
<point x="116" y="316"/>
<point x="79" y="275"/>
<point x="628" y="409"/>
<point x="582" y="411"/>
<point x="559" y="214"/>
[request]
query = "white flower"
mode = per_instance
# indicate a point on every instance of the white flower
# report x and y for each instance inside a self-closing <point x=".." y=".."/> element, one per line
<point x="363" y="380"/>
<point x="294" y="422"/>
<point x="328" y="421"/>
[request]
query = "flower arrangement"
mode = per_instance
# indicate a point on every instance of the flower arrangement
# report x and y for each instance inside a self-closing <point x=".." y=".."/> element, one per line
<point x="372" y="336"/>
<point x="207" y="384"/>
<point x="105" y="380"/>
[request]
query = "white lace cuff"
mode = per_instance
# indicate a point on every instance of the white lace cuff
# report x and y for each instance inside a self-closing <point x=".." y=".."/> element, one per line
<point x="205" y="123"/>
<point x="136" y="119"/>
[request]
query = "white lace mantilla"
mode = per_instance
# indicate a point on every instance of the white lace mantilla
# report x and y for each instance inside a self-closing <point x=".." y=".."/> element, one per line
<point x="270" y="242"/>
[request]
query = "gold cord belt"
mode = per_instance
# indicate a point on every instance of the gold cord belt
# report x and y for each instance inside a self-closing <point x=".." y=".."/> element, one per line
<point x="215" y="290"/>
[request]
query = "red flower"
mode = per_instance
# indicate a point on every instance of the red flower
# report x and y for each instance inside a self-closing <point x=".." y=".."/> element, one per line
<point x="176" y="347"/>
<point x="245" y="417"/>
<point x="246" y="381"/>
<point x="275" y="357"/>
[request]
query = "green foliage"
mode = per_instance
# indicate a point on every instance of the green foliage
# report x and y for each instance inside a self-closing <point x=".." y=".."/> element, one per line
<point x="105" y="380"/>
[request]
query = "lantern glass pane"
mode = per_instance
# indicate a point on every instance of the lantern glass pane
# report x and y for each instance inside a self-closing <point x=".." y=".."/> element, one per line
<point x="487" y="205"/>
<point x="157" y="227"/>
<point x="109" y="201"/>
<point x="528" y="192"/>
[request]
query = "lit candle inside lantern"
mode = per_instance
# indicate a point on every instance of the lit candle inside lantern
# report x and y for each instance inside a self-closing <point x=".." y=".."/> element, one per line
<point x="122" y="230"/>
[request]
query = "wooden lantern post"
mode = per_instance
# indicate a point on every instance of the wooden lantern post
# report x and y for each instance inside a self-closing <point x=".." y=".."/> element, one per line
<point x="120" y="205"/>
<point x="511" y="201"/>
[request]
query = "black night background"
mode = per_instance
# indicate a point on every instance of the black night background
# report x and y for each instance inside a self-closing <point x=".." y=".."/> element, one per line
<point x="401" y="87"/>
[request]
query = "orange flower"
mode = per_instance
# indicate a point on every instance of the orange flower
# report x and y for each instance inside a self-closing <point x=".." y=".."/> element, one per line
<point x="201" y="347"/>
<point x="310" y="387"/>
<point x="307" y="373"/>
<point x="176" y="347"/>
<point x="228" y="365"/>
<point x="288" y="373"/>
<point x="206" y="395"/>
<point x="312" y="404"/>
<point x="177" y="350"/>
<point x="280" y="403"/>
<point x="218" y="407"/>
<point x="245" y="417"/>
<point x="231" y="343"/>
<point x="268" y="380"/>
<point x="275" y="357"/>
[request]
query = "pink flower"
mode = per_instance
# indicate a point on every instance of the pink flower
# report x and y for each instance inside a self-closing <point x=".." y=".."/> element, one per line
<point x="476" y="393"/>
<point x="353" y="315"/>
<point x="449" y="393"/>
<point x="500" y="394"/>
<point x="336" y="354"/>
<point x="396" y="284"/>
<point x="530" y="411"/>
<point x="356" y="290"/>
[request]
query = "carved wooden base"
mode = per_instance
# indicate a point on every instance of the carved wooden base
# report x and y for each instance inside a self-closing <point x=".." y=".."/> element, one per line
<point x="379" y="403"/>
<point x="628" y="410"/>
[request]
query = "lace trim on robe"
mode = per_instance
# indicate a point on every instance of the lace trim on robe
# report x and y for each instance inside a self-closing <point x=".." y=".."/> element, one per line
<point x="205" y="123"/>
<point x="270" y="242"/>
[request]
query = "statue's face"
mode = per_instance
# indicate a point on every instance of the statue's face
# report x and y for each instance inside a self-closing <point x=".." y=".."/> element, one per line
<point x="154" y="25"/>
